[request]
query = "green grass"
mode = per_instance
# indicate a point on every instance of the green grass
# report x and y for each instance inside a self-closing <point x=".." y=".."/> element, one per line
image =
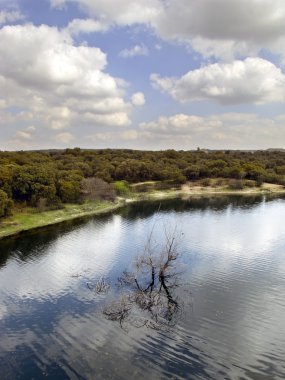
<point x="29" y="218"/>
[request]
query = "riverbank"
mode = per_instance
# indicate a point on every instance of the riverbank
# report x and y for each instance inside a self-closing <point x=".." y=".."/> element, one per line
<point x="266" y="188"/>
<point x="28" y="218"/>
<point x="197" y="188"/>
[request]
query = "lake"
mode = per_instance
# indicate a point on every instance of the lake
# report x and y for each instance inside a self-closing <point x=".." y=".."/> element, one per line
<point x="231" y="322"/>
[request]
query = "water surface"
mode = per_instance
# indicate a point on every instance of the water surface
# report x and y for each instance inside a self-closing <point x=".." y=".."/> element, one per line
<point x="232" y="325"/>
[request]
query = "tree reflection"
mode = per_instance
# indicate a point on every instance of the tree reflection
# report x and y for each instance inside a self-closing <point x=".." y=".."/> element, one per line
<point x="147" y="294"/>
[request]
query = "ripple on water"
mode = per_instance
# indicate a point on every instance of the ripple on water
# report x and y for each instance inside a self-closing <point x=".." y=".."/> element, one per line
<point x="232" y="327"/>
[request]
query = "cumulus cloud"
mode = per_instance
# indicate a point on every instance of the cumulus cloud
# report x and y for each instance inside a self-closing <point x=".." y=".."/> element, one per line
<point x="26" y="134"/>
<point x="23" y="135"/>
<point x="253" y="80"/>
<point x="138" y="99"/>
<point x="57" y="3"/>
<point x="121" y="12"/>
<point x="188" y="131"/>
<point x="134" y="51"/>
<point x="64" y="137"/>
<point x="54" y="83"/>
<point x="78" y="26"/>
<point x="183" y="124"/>
<point x="226" y="29"/>
<point x="10" y="16"/>
<point x="229" y="130"/>
<point x="130" y="135"/>
<point x="57" y="84"/>
<point x="220" y="28"/>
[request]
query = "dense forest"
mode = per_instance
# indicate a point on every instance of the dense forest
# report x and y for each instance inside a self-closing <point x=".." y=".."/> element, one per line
<point x="50" y="178"/>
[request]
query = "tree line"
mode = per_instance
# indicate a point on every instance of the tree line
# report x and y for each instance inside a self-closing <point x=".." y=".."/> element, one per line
<point x="51" y="178"/>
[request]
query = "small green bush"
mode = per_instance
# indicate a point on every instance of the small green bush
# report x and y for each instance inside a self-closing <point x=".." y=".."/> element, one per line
<point x="5" y="204"/>
<point x="122" y="188"/>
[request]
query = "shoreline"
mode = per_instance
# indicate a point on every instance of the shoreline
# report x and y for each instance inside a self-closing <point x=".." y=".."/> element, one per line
<point x="29" y="220"/>
<point x="11" y="228"/>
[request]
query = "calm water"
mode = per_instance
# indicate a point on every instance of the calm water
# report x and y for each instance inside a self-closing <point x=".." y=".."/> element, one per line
<point x="232" y="325"/>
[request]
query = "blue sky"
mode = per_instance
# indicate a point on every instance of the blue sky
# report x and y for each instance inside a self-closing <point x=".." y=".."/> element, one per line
<point x="142" y="74"/>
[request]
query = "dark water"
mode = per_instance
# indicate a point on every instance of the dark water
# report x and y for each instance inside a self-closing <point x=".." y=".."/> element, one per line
<point x="232" y="325"/>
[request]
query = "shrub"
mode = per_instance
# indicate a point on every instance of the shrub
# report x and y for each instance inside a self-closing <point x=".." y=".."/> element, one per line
<point x="69" y="192"/>
<point x="122" y="188"/>
<point x="97" y="188"/>
<point x="5" y="204"/>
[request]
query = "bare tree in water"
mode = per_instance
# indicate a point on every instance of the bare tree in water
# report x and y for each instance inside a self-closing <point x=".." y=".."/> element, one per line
<point x="147" y="291"/>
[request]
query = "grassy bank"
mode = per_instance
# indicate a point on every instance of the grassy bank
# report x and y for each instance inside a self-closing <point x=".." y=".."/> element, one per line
<point x="28" y="218"/>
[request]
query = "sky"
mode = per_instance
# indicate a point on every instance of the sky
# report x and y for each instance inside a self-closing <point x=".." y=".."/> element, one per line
<point x="142" y="74"/>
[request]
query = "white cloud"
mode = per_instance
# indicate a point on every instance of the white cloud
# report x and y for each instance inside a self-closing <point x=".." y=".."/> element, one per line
<point x="57" y="3"/>
<point x="138" y="99"/>
<point x="26" y="134"/>
<point x="56" y="84"/>
<point x="221" y="131"/>
<point x="253" y="80"/>
<point x="220" y="28"/>
<point x="225" y="28"/>
<point x="121" y="12"/>
<point x="23" y="135"/>
<point x="186" y="131"/>
<point x="184" y="124"/>
<point x="64" y="137"/>
<point x="5" y="118"/>
<point x="100" y="137"/>
<point x="130" y="135"/>
<point x="134" y="51"/>
<point x="10" y="16"/>
<point x="78" y="26"/>
<point x="60" y="118"/>
<point x="3" y="103"/>
<point x="114" y="119"/>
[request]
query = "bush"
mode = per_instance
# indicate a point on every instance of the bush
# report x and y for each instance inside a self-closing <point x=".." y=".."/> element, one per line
<point x="121" y="188"/>
<point x="5" y="204"/>
<point x="69" y="192"/>
<point x="96" y="188"/>
<point x="192" y="173"/>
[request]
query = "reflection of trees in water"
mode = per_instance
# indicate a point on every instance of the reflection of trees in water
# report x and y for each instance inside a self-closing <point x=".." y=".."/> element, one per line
<point x="30" y="244"/>
<point x="216" y="203"/>
<point x="147" y="292"/>
<point x="34" y="243"/>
